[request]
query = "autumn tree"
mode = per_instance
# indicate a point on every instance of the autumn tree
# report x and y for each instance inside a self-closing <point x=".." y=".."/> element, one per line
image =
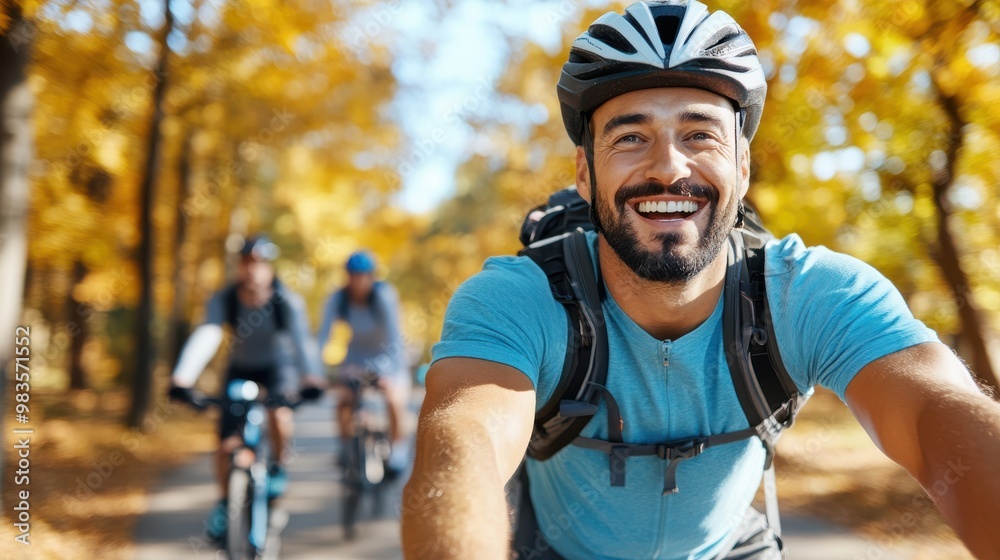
<point x="269" y="110"/>
<point x="866" y="136"/>
<point x="143" y="378"/>
<point x="16" y="145"/>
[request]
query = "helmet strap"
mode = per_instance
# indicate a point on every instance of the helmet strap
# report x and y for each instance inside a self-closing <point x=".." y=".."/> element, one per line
<point x="736" y="144"/>
<point x="737" y="127"/>
<point x="588" y="151"/>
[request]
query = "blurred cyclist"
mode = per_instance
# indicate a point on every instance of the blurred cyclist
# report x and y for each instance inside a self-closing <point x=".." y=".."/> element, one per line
<point x="269" y="344"/>
<point x="371" y="309"/>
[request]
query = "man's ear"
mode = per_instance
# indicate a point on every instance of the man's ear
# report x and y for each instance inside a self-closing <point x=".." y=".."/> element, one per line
<point x="582" y="174"/>
<point x="744" y="168"/>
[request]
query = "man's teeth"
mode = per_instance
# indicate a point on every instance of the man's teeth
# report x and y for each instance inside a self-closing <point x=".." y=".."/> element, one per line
<point x="662" y="206"/>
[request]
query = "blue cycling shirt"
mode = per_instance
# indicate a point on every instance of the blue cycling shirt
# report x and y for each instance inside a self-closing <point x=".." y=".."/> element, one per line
<point x="833" y="315"/>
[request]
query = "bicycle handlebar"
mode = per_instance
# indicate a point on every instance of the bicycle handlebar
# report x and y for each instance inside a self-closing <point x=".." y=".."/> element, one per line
<point x="201" y="401"/>
<point x="369" y="377"/>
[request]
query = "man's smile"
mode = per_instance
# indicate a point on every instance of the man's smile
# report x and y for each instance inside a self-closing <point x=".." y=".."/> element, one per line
<point x="666" y="208"/>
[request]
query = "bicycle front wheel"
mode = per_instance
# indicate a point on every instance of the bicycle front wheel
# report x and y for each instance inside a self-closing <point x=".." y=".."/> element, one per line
<point x="238" y="516"/>
<point x="354" y="476"/>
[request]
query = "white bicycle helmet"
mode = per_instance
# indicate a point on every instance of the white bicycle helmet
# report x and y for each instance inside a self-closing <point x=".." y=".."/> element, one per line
<point x="671" y="43"/>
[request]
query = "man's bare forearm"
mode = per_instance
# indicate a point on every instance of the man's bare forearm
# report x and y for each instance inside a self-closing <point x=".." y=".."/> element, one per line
<point x="923" y="409"/>
<point x="454" y="504"/>
<point x="960" y="444"/>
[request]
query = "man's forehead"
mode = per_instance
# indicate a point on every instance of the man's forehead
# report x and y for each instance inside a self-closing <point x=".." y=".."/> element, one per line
<point x="662" y="102"/>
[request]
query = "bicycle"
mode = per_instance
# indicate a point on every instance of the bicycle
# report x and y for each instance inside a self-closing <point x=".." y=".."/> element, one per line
<point x="249" y="513"/>
<point x="366" y="452"/>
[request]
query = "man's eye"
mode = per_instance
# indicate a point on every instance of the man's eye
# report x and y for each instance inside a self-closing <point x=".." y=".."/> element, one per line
<point x="701" y="136"/>
<point x="628" y="139"/>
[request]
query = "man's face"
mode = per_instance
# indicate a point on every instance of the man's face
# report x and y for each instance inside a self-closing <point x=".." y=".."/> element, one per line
<point x="359" y="285"/>
<point x="254" y="273"/>
<point x="671" y="149"/>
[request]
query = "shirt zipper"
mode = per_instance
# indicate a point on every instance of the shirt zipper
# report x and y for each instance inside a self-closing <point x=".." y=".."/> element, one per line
<point x="659" y="531"/>
<point x="665" y="351"/>
<point x="665" y="347"/>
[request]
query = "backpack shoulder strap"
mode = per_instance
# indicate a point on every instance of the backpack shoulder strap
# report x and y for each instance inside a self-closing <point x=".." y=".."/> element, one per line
<point x="231" y="302"/>
<point x="569" y="268"/>
<point x="766" y="392"/>
<point x="373" y="295"/>
<point x="343" y="304"/>
<point x="772" y="375"/>
<point x="282" y="310"/>
<point x="279" y="301"/>
<point x="376" y="302"/>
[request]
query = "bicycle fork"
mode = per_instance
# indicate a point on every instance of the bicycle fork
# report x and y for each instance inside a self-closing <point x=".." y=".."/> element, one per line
<point x="257" y="467"/>
<point x="258" y="514"/>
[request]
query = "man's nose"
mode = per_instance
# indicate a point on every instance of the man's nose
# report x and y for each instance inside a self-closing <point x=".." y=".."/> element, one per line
<point x="667" y="163"/>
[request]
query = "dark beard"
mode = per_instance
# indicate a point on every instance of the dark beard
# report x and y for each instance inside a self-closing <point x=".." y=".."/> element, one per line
<point x="668" y="265"/>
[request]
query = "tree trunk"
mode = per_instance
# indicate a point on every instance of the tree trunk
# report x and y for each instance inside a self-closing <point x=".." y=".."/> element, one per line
<point x="142" y="380"/>
<point x="15" y="156"/>
<point x="178" y="325"/>
<point x="78" y="322"/>
<point x="974" y="331"/>
<point x="239" y="213"/>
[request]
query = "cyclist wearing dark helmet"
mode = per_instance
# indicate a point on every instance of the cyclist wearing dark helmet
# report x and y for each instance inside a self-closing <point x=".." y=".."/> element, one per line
<point x="662" y="102"/>
<point x="269" y="343"/>
<point x="371" y="309"/>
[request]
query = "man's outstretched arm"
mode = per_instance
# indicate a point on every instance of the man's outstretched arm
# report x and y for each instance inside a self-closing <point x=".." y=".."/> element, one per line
<point x="922" y="408"/>
<point x="473" y="430"/>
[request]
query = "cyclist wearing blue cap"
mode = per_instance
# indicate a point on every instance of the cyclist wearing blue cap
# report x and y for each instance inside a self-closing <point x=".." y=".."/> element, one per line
<point x="269" y="344"/>
<point x="371" y="309"/>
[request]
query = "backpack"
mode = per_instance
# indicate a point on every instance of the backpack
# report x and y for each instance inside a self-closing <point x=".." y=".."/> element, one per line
<point x="374" y="303"/>
<point x="279" y="302"/>
<point x="553" y="235"/>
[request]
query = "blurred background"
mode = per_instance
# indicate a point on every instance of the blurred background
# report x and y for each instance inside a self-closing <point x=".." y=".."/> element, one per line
<point x="142" y="140"/>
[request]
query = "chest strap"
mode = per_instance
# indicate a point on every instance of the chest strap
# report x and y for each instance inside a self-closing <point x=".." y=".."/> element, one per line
<point x="673" y="451"/>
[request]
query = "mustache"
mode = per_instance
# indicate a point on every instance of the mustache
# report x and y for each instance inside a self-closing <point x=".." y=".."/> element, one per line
<point x="682" y="187"/>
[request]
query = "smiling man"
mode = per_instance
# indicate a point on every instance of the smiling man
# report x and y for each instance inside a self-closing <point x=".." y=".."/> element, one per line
<point x="662" y="102"/>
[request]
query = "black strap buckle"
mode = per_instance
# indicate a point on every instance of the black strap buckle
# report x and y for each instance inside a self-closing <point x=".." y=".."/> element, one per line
<point x="675" y="453"/>
<point x="616" y="463"/>
<point x="685" y="450"/>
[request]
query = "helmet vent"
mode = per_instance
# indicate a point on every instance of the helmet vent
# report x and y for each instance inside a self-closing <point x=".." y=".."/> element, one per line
<point x="613" y="38"/>
<point x="581" y="57"/>
<point x="668" y="26"/>
<point x="656" y="43"/>
<point x="724" y="36"/>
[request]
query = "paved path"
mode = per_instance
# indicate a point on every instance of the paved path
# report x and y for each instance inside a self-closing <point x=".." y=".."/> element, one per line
<point x="172" y="528"/>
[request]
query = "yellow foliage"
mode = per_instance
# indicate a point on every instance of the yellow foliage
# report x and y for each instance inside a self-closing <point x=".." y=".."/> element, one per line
<point x="270" y="113"/>
<point x="882" y="102"/>
<point x="266" y="113"/>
